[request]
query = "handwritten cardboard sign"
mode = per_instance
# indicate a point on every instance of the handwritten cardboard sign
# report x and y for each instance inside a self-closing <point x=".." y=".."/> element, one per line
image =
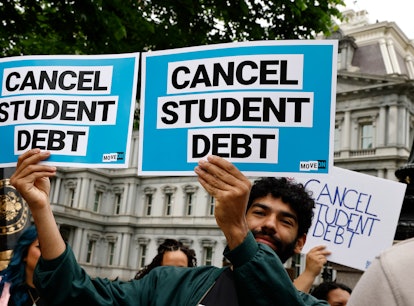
<point x="78" y="107"/>
<point x="265" y="106"/>
<point x="355" y="215"/>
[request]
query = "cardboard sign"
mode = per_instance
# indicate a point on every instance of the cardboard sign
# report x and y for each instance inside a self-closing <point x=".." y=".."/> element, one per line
<point x="355" y="215"/>
<point x="266" y="106"/>
<point x="78" y="107"/>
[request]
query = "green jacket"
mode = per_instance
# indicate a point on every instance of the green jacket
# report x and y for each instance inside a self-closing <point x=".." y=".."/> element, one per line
<point x="260" y="279"/>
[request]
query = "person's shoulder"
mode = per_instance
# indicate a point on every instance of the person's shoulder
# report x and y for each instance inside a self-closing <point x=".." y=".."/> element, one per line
<point x="403" y="249"/>
<point x="398" y="258"/>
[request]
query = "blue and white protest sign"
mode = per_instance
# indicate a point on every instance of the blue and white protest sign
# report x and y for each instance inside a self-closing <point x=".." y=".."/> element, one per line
<point x="355" y="215"/>
<point x="266" y="106"/>
<point x="80" y="108"/>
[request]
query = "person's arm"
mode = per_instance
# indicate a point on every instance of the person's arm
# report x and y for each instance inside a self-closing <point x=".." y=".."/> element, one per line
<point x="231" y="189"/>
<point x="315" y="260"/>
<point x="31" y="179"/>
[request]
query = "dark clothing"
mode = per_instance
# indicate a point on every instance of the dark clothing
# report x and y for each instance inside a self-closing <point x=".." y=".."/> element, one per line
<point x="223" y="292"/>
<point x="259" y="278"/>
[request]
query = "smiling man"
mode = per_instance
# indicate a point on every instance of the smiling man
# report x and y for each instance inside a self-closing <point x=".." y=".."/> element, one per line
<point x="261" y="233"/>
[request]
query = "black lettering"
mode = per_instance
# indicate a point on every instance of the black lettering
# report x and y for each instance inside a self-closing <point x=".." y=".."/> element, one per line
<point x="239" y="73"/>
<point x="236" y="145"/>
<point x="4" y="115"/>
<point x="280" y="113"/>
<point x="167" y="111"/>
<point x="8" y="79"/>
<point x="44" y="77"/>
<point x="201" y="77"/>
<point x="29" y="81"/>
<point x="298" y="106"/>
<point x="66" y="110"/>
<point x="188" y="104"/>
<point x="263" y="143"/>
<point x="38" y="138"/>
<point x="213" y="111"/>
<point x="96" y="82"/>
<point x="224" y="116"/>
<point x="283" y="75"/>
<point x="264" y="72"/>
<point x="247" y="108"/>
<point x="56" y="140"/>
<point x="105" y="110"/>
<point x="83" y="109"/>
<point x="16" y="105"/>
<point x="174" y="77"/>
<point x="83" y="79"/>
<point x="203" y="139"/>
<point x="36" y="110"/>
<point x="75" y="139"/>
<point x="216" y="145"/>
<point x="62" y="80"/>
<point x="23" y="140"/>
<point x="219" y="71"/>
<point x="47" y="106"/>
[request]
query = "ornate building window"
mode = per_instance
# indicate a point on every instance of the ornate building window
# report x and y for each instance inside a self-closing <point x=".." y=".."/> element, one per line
<point x="111" y="249"/>
<point x="142" y="252"/>
<point x="99" y="191"/>
<point x="149" y="193"/>
<point x="90" y="252"/>
<point x="366" y="135"/>
<point x="97" y="201"/>
<point x="189" y="191"/>
<point x="117" y="204"/>
<point x="111" y="253"/>
<point x="208" y="252"/>
<point x="118" y="196"/>
<point x="168" y="199"/>
<point x="71" y="191"/>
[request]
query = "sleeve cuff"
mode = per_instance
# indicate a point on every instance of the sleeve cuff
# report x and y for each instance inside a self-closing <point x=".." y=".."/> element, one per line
<point x="243" y="252"/>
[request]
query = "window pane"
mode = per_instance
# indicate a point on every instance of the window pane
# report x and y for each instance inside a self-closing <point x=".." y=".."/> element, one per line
<point x="366" y="136"/>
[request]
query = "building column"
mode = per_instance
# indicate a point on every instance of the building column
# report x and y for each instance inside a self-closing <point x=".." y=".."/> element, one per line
<point x="77" y="241"/>
<point x="392" y="125"/>
<point x="346" y="131"/>
<point x="393" y="57"/>
<point x="410" y="66"/>
<point x="82" y="193"/>
<point x="77" y="200"/>
<point x="124" y="201"/>
<point x="381" y="130"/>
<point x="126" y="241"/>
<point x="56" y="190"/>
<point x="385" y="56"/>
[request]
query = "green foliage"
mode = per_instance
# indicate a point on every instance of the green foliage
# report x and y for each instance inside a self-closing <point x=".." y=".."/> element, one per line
<point x="121" y="26"/>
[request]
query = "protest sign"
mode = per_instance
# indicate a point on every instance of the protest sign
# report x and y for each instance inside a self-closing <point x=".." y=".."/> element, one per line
<point x="355" y="215"/>
<point x="80" y="108"/>
<point x="266" y="106"/>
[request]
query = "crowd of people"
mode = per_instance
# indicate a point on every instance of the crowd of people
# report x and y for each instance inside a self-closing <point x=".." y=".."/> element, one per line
<point x="264" y="223"/>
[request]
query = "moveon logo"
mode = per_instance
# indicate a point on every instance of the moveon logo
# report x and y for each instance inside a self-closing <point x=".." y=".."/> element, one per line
<point x="312" y="165"/>
<point x="112" y="157"/>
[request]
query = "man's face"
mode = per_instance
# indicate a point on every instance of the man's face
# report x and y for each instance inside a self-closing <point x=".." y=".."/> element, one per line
<point x="274" y="223"/>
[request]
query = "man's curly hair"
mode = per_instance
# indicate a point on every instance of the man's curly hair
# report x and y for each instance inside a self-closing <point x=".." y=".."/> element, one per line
<point x="290" y="192"/>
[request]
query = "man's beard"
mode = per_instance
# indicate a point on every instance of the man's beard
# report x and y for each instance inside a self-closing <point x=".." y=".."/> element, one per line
<point x="284" y="251"/>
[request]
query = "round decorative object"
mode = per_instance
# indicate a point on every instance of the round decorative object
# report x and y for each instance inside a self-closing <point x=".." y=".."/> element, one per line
<point x="14" y="217"/>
